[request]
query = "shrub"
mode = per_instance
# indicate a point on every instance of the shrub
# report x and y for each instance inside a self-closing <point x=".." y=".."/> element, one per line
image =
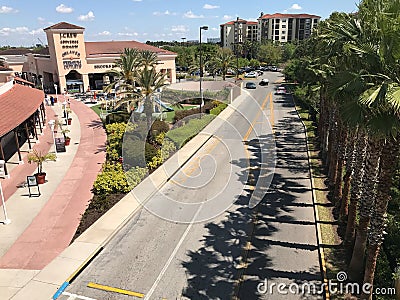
<point x="135" y="175"/>
<point x="180" y="136"/>
<point x="181" y="114"/>
<point x="217" y="110"/>
<point x="159" y="126"/>
<point x="118" y="117"/>
<point x="150" y="152"/>
<point x="115" y="134"/>
<point x="111" y="180"/>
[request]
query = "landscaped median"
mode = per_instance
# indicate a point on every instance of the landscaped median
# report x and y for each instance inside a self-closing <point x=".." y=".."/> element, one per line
<point x="62" y="270"/>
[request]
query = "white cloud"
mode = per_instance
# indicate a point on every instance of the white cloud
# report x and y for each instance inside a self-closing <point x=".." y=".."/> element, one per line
<point x="41" y="19"/>
<point x="6" y="31"/>
<point x="179" y="28"/>
<point x="63" y="9"/>
<point x="209" y="6"/>
<point x="165" y="13"/>
<point x="127" y="34"/>
<point x="190" y="15"/>
<point x="7" y="10"/>
<point x="88" y="17"/>
<point x="137" y="0"/>
<point x="227" y="18"/>
<point x="104" y="33"/>
<point x="296" y="7"/>
<point x="214" y="29"/>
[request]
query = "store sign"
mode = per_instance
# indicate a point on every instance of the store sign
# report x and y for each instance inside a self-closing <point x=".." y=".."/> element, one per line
<point x="109" y="66"/>
<point x="69" y="40"/>
<point x="71" y="54"/>
<point x="72" y="64"/>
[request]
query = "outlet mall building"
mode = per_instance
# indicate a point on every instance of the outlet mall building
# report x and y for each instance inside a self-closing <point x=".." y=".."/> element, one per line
<point x="74" y="65"/>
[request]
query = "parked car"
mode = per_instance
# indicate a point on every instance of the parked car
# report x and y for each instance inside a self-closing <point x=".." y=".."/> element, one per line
<point x="250" y="75"/>
<point x="250" y="85"/>
<point x="281" y="90"/>
<point x="264" y="81"/>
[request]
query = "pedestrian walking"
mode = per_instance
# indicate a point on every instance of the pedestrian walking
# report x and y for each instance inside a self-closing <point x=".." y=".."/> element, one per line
<point x="46" y="100"/>
<point x="52" y="100"/>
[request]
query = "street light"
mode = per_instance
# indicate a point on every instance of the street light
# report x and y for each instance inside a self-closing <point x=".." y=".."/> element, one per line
<point x="201" y="67"/>
<point x="55" y="87"/>
<point x="183" y="41"/>
<point x="52" y="125"/>
<point x="3" y="202"/>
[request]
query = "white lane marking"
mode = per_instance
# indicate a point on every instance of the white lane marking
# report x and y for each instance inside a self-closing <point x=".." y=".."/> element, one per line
<point x="171" y="257"/>
<point x="74" y="296"/>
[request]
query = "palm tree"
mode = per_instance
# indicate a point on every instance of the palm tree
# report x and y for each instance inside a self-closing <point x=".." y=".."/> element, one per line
<point x="147" y="59"/>
<point x="149" y="81"/>
<point x="223" y="61"/>
<point x="124" y="76"/>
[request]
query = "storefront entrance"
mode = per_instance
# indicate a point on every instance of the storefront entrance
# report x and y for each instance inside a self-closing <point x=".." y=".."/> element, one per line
<point x="74" y="82"/>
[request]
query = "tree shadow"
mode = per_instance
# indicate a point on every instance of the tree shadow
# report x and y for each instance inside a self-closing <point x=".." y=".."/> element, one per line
<point x="275" y="241"/>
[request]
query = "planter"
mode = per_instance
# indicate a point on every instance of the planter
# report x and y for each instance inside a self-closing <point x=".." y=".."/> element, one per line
<point x="69" y="121"/>
<point x="40" y="178"/>
<point x="67" y="141"/>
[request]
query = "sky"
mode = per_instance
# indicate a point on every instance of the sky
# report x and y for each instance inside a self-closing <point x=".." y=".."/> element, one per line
<point x="22" y="21"/>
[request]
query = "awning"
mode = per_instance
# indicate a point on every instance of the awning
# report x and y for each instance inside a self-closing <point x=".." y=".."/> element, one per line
<point x="73" y="82"/>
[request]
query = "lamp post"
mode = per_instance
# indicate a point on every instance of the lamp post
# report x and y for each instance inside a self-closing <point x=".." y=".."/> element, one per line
<point x="201" y="68"/>
<point x="52" y="125"/>
<point x="3" y="202"/>
<point x="183" y="41"/>
<point x="55" y="87"/>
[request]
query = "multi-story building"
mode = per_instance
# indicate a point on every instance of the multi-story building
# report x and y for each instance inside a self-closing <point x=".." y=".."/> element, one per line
<point x="238" y="31"/>
<point x="276" y="27"/>
<point x="70" y="64"/>
<point x="286" y="27"/>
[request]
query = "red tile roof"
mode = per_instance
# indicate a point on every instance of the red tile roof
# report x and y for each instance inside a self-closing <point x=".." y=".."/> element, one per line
<point x="94" y="49"/>
<point x="298" y="16"/>
<point x="19" y="79"/>
<point x="64" y="25"/>
<point x="16" y="105"/>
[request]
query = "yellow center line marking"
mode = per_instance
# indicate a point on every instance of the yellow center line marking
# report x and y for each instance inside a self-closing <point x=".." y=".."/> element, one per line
<point x="115" y="290"/>
<point x="257" y="116"/>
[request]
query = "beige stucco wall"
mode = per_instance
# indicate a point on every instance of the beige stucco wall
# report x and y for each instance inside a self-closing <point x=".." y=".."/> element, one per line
<point x="67" y="52"/>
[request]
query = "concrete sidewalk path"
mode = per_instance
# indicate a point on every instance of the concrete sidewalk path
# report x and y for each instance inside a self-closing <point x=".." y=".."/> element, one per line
<point x="43" y="227"/>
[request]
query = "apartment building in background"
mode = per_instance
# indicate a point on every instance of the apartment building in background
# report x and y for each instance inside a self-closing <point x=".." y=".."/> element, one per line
<point x="275" y="27"/>
<point x="286" y="27"/>
<point x="238" y="31"/>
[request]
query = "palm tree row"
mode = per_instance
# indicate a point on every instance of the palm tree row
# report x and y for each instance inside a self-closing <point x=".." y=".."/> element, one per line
<point x="355" y="62"/>
<point x="136" y="79"/>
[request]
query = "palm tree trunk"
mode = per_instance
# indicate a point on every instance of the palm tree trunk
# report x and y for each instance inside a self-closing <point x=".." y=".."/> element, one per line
<point x="356" y="187"/>
<point x="344" y="201"/>
<point x="366" y="204"/>
<point x="148" y="109"/>
<point x="342" y="144"/>
<point x="388" y="165"/>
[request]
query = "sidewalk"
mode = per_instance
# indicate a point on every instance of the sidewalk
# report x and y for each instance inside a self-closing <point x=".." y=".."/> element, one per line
<point x="42" y="227"/>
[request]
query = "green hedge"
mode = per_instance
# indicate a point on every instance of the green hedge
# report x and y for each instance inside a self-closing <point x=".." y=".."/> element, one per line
<point x="217" y="110"/>
<point x="180" y="136"/>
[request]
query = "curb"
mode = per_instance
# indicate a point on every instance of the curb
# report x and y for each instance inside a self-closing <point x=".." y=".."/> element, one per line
<point x="212" y="127"/>
<point x="316" y="214"/>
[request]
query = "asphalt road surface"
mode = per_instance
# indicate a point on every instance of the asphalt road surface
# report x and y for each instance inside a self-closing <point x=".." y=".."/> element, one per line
<point x="198" y="238"/>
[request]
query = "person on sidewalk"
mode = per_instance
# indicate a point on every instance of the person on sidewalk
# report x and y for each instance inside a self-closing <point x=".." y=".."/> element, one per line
<point x="52" y="100"/>
<point x="46" y="100"/>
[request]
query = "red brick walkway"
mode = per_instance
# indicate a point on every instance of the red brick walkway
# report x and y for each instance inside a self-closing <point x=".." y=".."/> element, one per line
<point x="53" y="228"/>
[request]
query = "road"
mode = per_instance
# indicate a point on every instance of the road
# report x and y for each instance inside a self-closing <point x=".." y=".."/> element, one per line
<point x="198" y="238"/>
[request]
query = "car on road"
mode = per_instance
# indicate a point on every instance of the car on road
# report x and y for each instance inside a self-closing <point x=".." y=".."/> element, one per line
<point x="281" y="90"/>
<point x="251" y="75"/>
<point x="264" y="81"/>
<point x="250" y="85"/>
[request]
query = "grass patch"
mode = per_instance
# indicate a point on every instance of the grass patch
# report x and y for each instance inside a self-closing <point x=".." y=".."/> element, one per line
<point x="181" y="135"/>
<point x="96" y="109"/>
<point x="171" y="114"/>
